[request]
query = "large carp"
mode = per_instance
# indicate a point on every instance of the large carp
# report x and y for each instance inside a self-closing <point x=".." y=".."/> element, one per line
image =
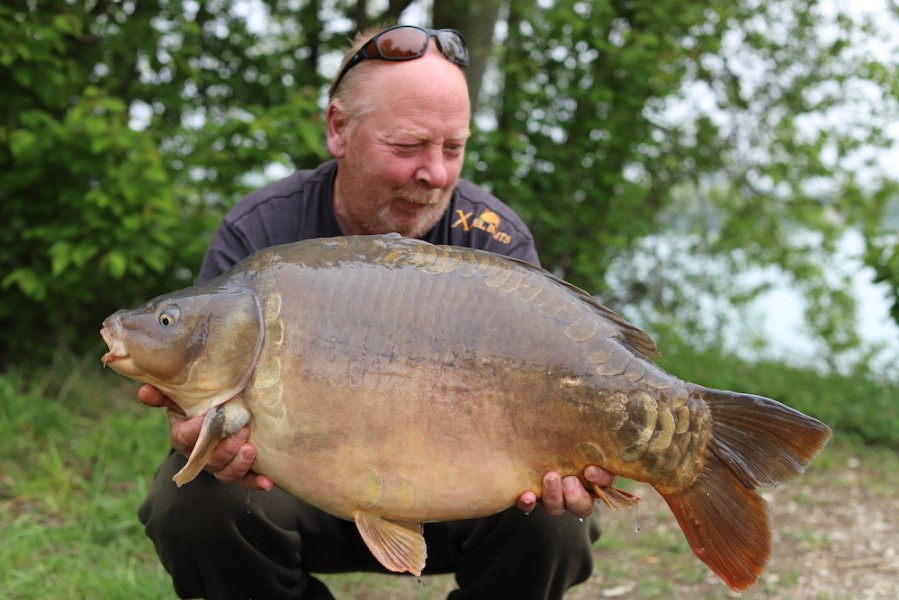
<point x="392" y="382"/>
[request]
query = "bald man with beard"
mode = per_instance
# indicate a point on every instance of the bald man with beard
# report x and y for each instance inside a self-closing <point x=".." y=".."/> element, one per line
<point x="398" y="121"/>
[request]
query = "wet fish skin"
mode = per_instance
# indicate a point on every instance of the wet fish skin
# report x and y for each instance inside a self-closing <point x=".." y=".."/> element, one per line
<point x="393" y="382"/>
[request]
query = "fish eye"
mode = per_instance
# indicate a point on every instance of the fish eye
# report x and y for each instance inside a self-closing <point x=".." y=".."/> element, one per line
<point x="169" y="316"/>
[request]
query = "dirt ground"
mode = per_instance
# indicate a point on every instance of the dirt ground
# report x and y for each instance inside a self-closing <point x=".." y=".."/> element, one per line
<point x="835" y="537"/>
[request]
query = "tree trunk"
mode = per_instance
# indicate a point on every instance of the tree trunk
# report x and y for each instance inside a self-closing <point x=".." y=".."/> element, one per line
<point x="476" y="22"/>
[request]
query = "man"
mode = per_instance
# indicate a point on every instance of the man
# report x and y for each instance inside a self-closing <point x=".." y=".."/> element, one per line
<point x="397" y="124"/>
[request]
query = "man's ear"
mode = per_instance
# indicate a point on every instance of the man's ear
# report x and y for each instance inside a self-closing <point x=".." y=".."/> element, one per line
<point x="337" y="130"/>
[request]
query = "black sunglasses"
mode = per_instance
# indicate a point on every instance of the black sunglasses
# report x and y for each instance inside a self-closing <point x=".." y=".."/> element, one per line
<point x="407" y="42"/>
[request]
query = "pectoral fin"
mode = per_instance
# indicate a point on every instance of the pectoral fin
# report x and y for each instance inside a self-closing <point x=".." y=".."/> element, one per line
<point x="220" y="422"/>
<point x="400" y="547"/>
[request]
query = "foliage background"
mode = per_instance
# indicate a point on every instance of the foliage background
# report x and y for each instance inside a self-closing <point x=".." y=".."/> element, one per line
<point x="636" y="137"/>
<point x="658" y="149"/>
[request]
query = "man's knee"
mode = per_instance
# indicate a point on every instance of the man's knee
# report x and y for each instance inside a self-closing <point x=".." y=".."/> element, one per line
<point x="223" y="541"/>
<point x="197" y="514"/>
<point x="538" y="555"/>
<point x="560" y="540"/>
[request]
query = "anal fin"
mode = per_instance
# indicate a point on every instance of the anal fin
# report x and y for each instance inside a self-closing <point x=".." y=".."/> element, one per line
<point x="400" y="547"/>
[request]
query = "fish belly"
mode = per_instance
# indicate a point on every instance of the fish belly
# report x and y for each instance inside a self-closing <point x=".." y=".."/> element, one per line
<point x="436" y="394"/>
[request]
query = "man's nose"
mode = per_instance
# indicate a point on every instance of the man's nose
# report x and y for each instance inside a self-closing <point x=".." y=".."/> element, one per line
<point x="432" y="169"/>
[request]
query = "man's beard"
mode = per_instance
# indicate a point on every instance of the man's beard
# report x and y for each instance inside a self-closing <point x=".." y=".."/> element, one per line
<point x="431" y="205"/>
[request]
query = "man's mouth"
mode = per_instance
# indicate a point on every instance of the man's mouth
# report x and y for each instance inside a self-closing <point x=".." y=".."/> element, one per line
<point x="419" y="198"/>
<point x="412" y="205"/>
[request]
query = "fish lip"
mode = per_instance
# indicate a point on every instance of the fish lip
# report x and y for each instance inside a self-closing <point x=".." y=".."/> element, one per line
<point x="109" y="358"/>
<point x="109" y="333"/>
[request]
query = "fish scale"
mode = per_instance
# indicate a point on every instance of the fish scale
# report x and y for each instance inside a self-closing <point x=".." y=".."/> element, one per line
<point x="391" y="382"/>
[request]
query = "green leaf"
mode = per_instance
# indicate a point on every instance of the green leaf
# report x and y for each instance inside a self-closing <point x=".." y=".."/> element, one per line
<point x="116" y="263"/>
<point x="84" y="253"/>
<point x="21" y="142"/>
<point x="28" y="281"/>
<point x="60" y="256"/>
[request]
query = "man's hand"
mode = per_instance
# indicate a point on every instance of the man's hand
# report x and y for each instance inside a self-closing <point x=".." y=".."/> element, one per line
<point x="568" y="494"/>
<point x="233" y="456"/>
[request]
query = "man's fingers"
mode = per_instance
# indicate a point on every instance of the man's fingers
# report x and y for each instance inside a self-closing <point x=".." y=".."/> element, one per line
<point x="255" y="481"/>
<point x="238" y="467"/>
<point x="526" y="502"/>
<point x="577" y="500"/>
<point x="183" y="432"/>
<point x="553" y="500"/>
<point x="599" y="476"/>
<point x="149" y="395"/>
<point x="226" y="455"/>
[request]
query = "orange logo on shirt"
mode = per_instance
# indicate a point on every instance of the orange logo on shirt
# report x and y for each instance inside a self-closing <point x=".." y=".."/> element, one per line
<point x="488" y="221"/>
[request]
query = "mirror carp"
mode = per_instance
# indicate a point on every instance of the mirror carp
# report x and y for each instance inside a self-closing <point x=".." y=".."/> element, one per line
<point x="392" y="382"/>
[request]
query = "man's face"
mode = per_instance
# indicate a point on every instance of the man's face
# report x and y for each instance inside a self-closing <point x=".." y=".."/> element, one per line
<point x="399" y="164"/>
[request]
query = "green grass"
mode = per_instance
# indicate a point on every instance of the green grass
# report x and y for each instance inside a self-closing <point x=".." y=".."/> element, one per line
<point x="77" y="452"/>
<point x="76" y="455"/>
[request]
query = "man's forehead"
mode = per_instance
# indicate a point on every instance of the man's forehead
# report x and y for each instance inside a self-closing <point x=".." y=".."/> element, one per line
<point x="420" y="111"/>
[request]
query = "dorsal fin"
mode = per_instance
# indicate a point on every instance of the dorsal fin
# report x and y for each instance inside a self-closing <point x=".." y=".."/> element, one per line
<point x="633" y="336"/>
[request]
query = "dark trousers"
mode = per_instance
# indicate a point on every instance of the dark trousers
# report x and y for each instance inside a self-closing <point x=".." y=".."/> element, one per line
<point x="224" y="541"/>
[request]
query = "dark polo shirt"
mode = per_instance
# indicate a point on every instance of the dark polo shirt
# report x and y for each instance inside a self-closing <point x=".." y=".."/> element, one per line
<point x="300" y="207"/>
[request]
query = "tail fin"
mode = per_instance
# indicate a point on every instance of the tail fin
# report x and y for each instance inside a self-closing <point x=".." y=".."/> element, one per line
<point x="756" y="441"/>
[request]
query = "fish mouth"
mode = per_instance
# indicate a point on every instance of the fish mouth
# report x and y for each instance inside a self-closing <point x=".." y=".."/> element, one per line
<point x="116" y="346"/>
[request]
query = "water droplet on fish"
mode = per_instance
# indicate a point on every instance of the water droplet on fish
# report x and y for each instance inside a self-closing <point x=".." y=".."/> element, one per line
<point x="581" y="519"/>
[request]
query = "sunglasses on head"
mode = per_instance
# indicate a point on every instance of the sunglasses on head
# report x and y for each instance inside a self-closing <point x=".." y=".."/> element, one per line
<point x="407" y="42"/>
